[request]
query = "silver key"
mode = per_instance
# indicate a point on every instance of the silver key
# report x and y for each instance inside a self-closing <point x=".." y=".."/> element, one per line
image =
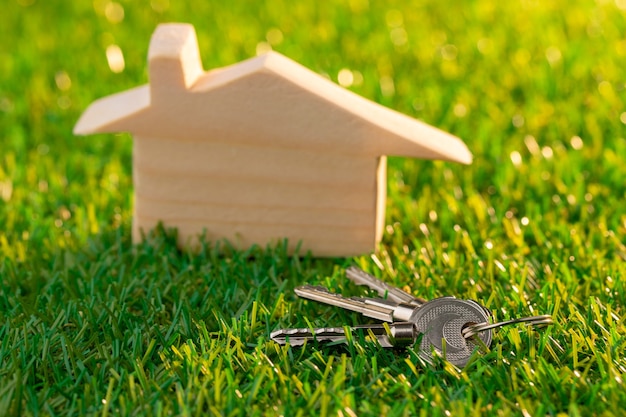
<point x="370" y="307"/>
<point x="450" y="327"/>
<point x="441" y="321"/>
<point x="390" y="335"/>
<point x="376" y="308"/>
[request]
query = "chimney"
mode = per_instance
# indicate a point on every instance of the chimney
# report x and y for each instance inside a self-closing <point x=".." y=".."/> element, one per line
<point x="173" y="60"/>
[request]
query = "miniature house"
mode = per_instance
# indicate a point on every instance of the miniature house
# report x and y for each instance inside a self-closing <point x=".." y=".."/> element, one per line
<point x="259" y="151"/>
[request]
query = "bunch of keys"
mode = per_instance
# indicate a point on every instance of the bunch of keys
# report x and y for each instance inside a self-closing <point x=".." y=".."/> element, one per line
<point x="449" y="327"/>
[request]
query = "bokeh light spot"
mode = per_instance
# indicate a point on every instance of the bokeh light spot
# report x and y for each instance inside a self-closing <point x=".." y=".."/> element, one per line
<point x="345" y="77"/>
<point x="115" y="58"/>
<point x="63" y="81"/>
<point x="114" y="12"/>
<point x="274" y="36"/>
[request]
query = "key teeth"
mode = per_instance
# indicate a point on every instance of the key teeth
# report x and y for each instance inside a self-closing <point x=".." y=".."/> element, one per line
<point x="298" y="336"/>
<point x="306" y="330"/>
<point x="360" y="277"/>
<point x="280" y="336"/>
<point x="355" y="274"/>
<point x="304" y="288"/>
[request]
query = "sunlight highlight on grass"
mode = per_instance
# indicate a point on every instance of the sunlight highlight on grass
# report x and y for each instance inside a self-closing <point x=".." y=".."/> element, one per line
<point x="91" y="324"/>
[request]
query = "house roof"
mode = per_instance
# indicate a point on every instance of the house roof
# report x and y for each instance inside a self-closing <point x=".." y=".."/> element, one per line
<point x="266" y="100"/>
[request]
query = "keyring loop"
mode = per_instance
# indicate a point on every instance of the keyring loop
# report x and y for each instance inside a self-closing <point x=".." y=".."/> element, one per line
<point x="473" y="329"/>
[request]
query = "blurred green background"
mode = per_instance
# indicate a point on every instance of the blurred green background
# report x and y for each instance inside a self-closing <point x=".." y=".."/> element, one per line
<point x="91" y="324"/>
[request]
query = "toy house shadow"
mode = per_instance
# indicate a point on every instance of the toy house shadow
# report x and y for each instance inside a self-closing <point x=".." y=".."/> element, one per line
<point x="259" y="151"/>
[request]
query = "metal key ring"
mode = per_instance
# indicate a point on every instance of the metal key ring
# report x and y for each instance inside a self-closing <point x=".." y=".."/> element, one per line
<point x="474" y="329"/>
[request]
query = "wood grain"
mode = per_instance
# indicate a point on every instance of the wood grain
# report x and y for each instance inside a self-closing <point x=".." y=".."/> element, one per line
<point x="259" y="151"/>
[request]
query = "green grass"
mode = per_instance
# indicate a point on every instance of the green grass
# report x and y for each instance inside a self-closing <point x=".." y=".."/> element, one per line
<point x="90" y="324"/>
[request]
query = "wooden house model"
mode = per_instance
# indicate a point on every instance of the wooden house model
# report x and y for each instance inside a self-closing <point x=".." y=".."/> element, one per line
<point x="259" y="151"/>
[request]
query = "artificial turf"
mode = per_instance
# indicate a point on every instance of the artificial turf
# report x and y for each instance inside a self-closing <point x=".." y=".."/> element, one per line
<point x="92" y="324"/>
